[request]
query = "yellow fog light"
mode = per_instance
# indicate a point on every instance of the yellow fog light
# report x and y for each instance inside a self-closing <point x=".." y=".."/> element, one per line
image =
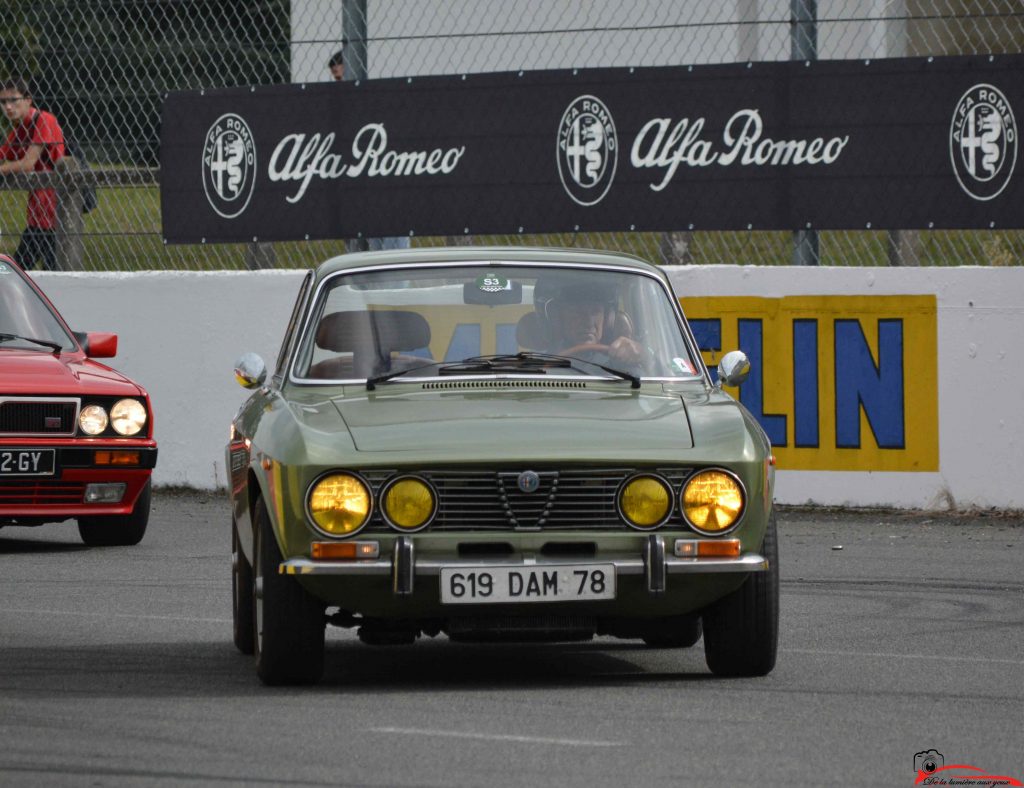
<point x="92" y="420"/>
<point x="340" y="504"/>
<point x="409" y="503"/>
<point x="712" y="501"/>
<point x="645" y="501"/>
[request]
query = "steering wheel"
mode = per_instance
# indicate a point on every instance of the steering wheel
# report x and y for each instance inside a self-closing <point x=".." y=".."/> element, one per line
<point x="586" y="347"/>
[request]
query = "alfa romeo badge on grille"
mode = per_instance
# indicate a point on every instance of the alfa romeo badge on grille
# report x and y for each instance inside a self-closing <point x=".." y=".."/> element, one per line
<point x="528" y="482"/>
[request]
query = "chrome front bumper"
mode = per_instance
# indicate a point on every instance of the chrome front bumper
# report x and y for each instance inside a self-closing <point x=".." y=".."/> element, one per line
<point x="404" y="567"/>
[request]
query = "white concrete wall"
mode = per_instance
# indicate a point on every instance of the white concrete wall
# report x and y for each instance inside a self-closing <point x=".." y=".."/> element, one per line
<point x="180" y="334"/>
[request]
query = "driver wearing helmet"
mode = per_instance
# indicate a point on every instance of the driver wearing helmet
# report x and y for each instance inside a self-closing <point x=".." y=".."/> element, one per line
<point x="583" y="320"/>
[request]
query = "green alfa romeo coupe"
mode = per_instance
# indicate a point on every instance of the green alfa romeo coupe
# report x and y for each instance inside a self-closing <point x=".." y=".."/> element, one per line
<point x="497" y="444"/>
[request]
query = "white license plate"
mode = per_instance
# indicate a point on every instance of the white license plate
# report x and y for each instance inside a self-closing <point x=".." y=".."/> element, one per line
<point x="26" y="462"/>
<point x="490" y="584"/>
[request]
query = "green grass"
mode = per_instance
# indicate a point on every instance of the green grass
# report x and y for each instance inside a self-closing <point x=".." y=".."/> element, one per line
<point x="123" y="234"/>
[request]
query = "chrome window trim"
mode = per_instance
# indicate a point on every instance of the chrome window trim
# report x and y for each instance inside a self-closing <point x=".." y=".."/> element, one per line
<point x="314" y="299"/>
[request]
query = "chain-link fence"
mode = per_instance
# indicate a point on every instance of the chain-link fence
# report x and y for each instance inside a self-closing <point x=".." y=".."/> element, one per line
<point x="103" y="66"/>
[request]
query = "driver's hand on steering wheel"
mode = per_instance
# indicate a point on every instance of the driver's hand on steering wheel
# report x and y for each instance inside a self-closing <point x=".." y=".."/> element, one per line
<point x="627" y="351"/>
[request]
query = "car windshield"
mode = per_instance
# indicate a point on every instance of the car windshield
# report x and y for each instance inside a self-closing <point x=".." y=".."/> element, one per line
<point x="25" y="316"/>
<point x="492" y="318"/>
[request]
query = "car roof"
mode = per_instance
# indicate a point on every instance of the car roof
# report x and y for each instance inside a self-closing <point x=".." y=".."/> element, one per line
<point x="488" y="254"/>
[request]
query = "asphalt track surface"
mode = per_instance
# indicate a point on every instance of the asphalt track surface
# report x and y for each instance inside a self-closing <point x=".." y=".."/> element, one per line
<point x="117" y="668"/>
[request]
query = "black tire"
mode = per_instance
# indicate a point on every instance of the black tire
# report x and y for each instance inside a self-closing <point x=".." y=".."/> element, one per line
<point x="120" y="529"/>
<point x="242" y="614"/>
<point x="674" y="632"/>
<point x="741" y="630"/>
<point x="289" y="622"/>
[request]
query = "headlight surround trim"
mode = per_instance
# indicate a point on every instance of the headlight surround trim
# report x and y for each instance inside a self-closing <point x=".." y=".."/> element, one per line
<point x="637" y="478"/>
<point x="387" y="515"/>
<point x="741" y="509"/>
<point x="363" y="486"/>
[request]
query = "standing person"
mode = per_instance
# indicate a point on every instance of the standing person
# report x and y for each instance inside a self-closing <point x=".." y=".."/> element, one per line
<point x="336" y="65"/>
<point x="35" y="144"/>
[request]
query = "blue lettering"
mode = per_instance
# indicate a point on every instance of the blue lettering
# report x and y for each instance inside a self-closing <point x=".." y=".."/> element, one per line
<point x="862" y="383"/>
<point x="506" y="340"/>
<point x="708" y="334"/>
<point x="752" y="392"/>
<point x="465" y="342"/>
<point x="805" y="383"/>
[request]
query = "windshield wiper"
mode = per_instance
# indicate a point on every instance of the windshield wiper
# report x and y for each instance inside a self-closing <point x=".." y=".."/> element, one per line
<point x="634" y="380"/>
<point x="371" y="383"/>
<point x="55" y="347"/>
<point x="531" y="361"/>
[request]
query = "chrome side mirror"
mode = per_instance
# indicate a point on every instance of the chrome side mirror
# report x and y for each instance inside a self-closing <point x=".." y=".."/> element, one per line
<point x="733" y="369"/>
<point x="250" y="371"/>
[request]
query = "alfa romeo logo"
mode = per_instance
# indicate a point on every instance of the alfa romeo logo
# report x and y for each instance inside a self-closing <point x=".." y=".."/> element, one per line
<point x="983" y="142"/>
<point x="528" y="482"/>
<point x="588" y="150"/>
<point x="229" y="165"/>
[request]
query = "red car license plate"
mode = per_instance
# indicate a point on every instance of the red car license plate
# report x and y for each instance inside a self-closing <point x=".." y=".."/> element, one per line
<point x="26" y="462"/>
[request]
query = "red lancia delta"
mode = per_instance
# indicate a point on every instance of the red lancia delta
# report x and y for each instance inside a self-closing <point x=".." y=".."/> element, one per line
<point x="76" y="437"/>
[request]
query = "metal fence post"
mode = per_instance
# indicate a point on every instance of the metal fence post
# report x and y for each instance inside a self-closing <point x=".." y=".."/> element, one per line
<point x="353" y="27"/>
<point x="804" y="46"/>
<point x="70" y="248"/>
<point x="903" y="247"/>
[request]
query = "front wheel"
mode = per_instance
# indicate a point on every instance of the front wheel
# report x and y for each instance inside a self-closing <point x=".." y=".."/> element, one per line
<point x="242" y="614"/>
<point x="741" y="630"/>
<point x="118" y="529"/>
<point x="289" y="622"/>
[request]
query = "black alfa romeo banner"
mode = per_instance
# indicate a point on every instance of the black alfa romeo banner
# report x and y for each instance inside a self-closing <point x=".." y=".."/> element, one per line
<point x="853" y="144"/>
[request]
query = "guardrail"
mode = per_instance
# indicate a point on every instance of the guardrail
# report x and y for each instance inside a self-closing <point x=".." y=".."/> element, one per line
<point x="69" y="180"/>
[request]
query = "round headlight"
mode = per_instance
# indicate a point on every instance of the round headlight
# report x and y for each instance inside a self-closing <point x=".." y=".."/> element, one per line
<point x="409" y="503"/>
<point x="712" y="501"/>
<point x="339" y="504"/>
<point x="92" y="420"/>
<point x="645" y="501"/>
<point x="128" y="416"/>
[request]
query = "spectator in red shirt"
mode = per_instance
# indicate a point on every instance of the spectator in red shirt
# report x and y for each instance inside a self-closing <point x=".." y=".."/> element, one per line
<point x="35" y="144"/>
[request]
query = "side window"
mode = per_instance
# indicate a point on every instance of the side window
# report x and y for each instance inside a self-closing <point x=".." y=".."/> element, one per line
<point x="292" y="330"/>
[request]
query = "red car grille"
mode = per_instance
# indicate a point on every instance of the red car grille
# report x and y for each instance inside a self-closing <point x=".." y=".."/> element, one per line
<point x="40" y="493"/>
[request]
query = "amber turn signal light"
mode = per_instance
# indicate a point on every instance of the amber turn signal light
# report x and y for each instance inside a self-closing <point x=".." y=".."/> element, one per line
<point x="699" y="548"/>
<point x="327" y="551"/>
<point x="116" y="458"/>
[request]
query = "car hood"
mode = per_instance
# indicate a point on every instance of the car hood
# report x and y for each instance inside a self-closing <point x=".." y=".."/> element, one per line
<point x="527" y="424"/>
<point x="27" y="372"/>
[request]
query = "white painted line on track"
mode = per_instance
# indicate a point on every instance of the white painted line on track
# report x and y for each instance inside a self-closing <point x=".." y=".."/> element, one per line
<point x="87" y="614"/>
<point x="884" y="655"/>
<point x="500" y="737"/>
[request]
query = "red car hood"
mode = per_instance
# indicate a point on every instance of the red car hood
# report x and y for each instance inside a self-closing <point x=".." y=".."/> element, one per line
<point x="25" y="372"/>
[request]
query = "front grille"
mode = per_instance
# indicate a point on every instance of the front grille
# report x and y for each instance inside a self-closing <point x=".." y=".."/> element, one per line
<point x="51" y="492"/>
<point x="23" y="416"/>
<point x="566" y="499"/>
